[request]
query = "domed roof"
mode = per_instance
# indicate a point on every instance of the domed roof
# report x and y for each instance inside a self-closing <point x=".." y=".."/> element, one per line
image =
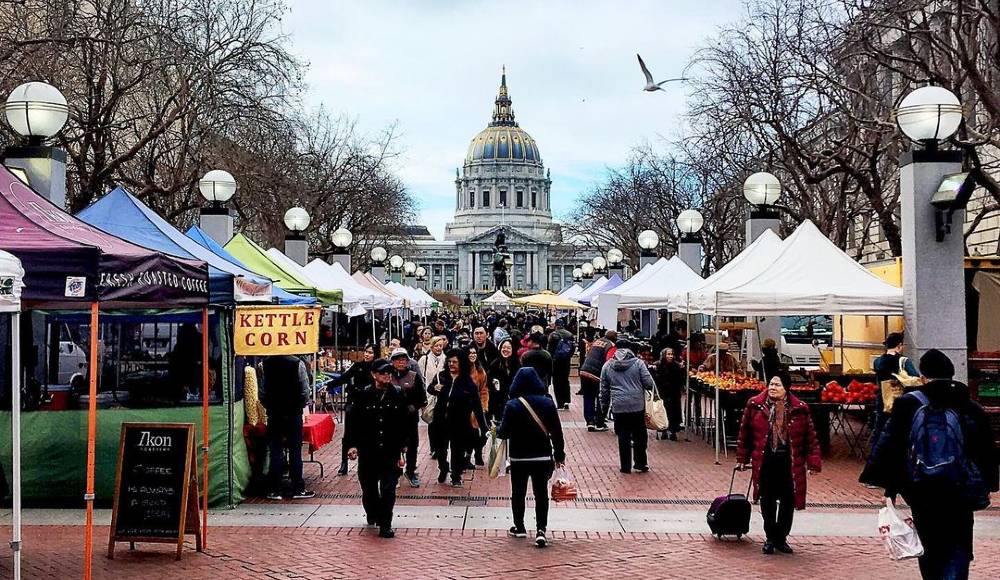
<point x="503" y="140"/>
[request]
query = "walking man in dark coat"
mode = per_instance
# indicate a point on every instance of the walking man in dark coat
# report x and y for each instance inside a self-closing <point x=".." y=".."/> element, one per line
<point x="378" y="442"/>
<point x="286" y="391"/>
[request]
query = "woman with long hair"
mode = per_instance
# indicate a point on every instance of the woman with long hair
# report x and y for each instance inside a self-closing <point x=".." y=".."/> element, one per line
<point x="457" y="399"/>
<point x="354" y="380"/>
<point x="423" y="346"/>
<point x="480" y="378"/>
<point x="501" y="373"/>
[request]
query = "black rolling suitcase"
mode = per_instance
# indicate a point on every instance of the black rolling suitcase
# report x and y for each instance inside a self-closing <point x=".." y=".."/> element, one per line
<point x="730" y="513"/>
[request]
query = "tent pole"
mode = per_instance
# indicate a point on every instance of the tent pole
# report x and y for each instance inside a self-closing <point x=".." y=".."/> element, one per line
<point x="15" y="421"/>
<point x="204" y="426"/>
<point x="717" y="375"/>
<point x="88" y="535"/>
<point x="687" y="377"/>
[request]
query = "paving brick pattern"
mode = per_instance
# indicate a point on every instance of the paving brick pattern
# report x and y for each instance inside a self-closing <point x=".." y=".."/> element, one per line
<point x="320" y="553"/>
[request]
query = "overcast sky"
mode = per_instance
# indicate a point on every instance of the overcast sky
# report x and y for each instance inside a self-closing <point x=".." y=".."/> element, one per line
<point x="433" y="67"/>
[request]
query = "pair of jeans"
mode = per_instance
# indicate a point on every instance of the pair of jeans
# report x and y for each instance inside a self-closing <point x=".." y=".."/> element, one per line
<point x="378" y="477"/>
<point x="591" y="401"/>
<point x="632" y="439"/>
<point x="412" y="443"/>
<point x="285" y="434"/>
<point x="539" y="472"/>
<point x="777" y="495"/>
<point x="560" y="381"/>
<point x="946" y="532"/>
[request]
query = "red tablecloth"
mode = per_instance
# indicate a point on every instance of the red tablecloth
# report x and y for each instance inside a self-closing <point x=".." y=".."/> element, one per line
<point x="317" y="430"/>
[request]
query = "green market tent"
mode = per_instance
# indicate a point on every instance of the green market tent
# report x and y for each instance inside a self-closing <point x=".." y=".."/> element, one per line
<point x="255" y="258"/>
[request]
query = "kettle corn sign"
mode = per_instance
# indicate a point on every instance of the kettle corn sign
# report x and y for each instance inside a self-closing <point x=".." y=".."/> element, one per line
<point x="269" y="331"/>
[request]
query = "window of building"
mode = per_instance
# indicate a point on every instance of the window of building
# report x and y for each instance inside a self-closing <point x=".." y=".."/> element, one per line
<point x="503" y="198"/>
<point x="534" y="199"/>
<point x="486" y="198"/>
<point x="520" y="198"/>
<point x="472" y="199"/>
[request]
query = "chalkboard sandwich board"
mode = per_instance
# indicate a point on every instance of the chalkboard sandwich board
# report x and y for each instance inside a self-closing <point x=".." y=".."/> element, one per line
<point x="156" y="486"/>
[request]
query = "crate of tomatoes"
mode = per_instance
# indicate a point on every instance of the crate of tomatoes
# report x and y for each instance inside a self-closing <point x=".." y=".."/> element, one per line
<point x="856" y="393"/>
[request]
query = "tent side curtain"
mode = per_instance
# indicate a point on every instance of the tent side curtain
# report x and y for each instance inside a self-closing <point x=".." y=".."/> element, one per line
<point x="11" y="282"/>
<point x="68" y="260"/>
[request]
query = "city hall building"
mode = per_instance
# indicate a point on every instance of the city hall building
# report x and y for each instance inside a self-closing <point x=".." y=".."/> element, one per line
<point x="502" y="185"/>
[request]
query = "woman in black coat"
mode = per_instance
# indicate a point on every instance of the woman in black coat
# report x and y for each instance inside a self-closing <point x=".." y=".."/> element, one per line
<point x="457" y="401"/>
<point x="670" y="380"/>
<point x="354" y="380"/>
<point x="502" y="372"/>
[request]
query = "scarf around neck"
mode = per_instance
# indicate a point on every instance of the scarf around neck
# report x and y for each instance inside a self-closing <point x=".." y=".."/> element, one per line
<point x="778" y="422"/>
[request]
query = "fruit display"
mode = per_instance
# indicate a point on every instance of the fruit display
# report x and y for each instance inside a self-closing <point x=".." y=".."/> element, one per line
<point x="729" y="381"/>
<point x="856" y="393"/>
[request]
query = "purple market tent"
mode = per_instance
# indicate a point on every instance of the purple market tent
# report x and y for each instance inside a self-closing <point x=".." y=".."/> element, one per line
<point x="596" y="289"/>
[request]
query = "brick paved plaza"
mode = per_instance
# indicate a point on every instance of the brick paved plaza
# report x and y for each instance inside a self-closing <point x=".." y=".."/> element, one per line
<point x="643" y="525"/>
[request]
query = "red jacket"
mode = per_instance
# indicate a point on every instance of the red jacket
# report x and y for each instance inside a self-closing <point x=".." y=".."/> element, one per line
<point x="801" y="438"/>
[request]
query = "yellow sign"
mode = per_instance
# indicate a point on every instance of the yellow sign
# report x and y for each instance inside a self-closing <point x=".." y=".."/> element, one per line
<point x="269" y="330"/>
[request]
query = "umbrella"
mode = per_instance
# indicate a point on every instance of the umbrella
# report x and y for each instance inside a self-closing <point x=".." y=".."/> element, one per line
<point x="549" y="300"/>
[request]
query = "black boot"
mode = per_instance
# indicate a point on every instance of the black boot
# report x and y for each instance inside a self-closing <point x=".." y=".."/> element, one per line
<point x="343" y="468"/>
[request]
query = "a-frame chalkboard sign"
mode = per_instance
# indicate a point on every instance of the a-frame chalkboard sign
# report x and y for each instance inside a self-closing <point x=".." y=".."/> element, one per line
<point x="156" y="486"/>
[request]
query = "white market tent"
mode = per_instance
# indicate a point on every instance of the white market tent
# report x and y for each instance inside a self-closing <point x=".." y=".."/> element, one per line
<point x="367" y="279"/>
<point x="290" y="265"/>
<point x="636" y="279"/>
<point x="413" y="297"/>
<point x="811" y="275"/>
<point x="11" y="284"/>
<point x="334" y="276"/>
<point x="500" y="299"/>
<point x="738" y="271"/>
<point x="571" y="291"/>
<point x="656" y="288"/>
<point x="590" y="289"/>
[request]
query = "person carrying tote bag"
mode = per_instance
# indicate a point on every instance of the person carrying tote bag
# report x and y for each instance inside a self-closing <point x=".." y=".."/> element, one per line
<point x="535" y="446"/>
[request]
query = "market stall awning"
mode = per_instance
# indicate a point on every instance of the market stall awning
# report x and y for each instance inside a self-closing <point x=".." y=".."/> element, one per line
<point x="571" y="292"/>
<point x="810" y="276"/>
<point x="246" y="251"/>
<point x="658" y="285"/>
<point x="498" y="298"/>
<point x="278" y="294"/>
<point x="549" y="300"/>
<point x="414" y="297"/>
<point x="326" y="294"/>
<point x="738" y="271"/>
<point x="122" y="214"/>
<point x="68" y="261"/>
<point x="638" y="278"/>
<point x="11" y="282"/>
<point x="335" y="276"/>
<point x="608" y="285"/>
<point x="367" y="279"/>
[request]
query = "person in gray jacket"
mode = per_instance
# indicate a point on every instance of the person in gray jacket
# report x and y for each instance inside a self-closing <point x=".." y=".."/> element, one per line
<point x="624" y="382"/>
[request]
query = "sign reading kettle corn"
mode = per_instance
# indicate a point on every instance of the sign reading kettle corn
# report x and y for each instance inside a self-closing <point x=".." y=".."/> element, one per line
<point x="268" y="330"/>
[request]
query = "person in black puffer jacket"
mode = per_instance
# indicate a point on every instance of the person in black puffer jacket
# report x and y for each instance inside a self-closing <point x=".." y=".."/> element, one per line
<point x="534" y="450"/>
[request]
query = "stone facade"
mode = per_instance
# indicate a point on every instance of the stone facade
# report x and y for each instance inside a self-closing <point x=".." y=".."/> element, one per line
<point x="502" y="185"/>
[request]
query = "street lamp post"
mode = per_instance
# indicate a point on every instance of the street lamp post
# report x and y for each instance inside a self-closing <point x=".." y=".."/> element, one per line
<point x="689" y="223"/>
<point x="378" y="256"/>
<point x="421" y="277"/>
<point x="217" y="187"/>
<point x="933" y="259"/>
<point x="396" y="268"/>
<point x="762" y="190"/>
<point x="296" y="246"/>
<point x="587" y="269"/>
<point x="600" y="266"/>
<point x="342" y="239"/>
<point x="616" y="262"/>
<point x="648" y="241"/>
<point x="37" y="111"/>
<point x="577" y="275"/>
<point x="409" y="273"/>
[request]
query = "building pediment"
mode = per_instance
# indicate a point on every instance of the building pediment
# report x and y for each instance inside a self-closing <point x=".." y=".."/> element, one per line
<point x="514" y="236"/>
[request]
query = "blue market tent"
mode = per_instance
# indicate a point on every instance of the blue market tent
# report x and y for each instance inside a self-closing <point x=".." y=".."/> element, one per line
<point x="280" y="294"/>
<point x="122" y="214"/>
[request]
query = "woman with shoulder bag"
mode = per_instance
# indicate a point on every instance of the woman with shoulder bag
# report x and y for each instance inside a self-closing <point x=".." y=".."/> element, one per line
<point x="502" y="371"/>
<point x="535" y="447"/>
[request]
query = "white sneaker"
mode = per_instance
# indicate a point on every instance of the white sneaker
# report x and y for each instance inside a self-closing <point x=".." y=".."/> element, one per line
<point x="540" y="539"/>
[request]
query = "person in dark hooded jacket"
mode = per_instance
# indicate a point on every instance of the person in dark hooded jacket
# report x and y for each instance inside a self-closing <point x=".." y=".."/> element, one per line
<point x="535" y="447"/>
<point x="624" y="382"/>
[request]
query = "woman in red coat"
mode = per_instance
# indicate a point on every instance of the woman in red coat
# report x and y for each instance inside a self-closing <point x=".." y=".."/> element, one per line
<point x="778" y="440"/>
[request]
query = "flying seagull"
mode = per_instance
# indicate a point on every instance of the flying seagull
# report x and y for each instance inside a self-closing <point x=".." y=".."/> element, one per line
<point x="650" y="85"/>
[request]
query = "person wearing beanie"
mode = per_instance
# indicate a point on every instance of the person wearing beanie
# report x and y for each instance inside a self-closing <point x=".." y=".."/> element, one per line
<point x="412" y="384"/>
<point x="886" y="367"/>
<point x="537" y="357"/>
<point x="942" y="510"/>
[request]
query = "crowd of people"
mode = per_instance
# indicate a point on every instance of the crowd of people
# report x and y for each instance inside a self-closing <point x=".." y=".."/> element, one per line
<point x="464" y="375"/>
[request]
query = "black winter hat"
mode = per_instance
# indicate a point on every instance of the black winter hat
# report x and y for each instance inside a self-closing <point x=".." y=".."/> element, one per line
<point x="381" y="366"/>
<point x="936" y="365"/>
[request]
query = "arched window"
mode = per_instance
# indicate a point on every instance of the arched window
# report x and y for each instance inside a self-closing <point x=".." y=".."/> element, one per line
<point x="520" y="198"/>
<point x="534" y="199"/>
<point x="486" y="198"/>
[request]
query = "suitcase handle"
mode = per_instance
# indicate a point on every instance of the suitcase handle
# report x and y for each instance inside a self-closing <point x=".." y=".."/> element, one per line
<point x="733" y="481"/>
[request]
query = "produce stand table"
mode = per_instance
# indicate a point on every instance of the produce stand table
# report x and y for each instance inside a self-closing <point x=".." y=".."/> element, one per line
<point x="317" y="431"/>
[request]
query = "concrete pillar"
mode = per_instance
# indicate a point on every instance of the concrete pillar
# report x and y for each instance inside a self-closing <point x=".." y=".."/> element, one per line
<point x="378" y="271"/>
<point x="690" y="253"/>
<point x="297" y="248"/>
<point x="770" y="326"/>
<point x="933" y="272"/>
<point x="343" y="259"/>
<point x="758" y="222"/>
<point x="647" y="318"/>
<point x="45" y="168"/>
<point x="396" y="276"/>
<point x="217" y="222"/>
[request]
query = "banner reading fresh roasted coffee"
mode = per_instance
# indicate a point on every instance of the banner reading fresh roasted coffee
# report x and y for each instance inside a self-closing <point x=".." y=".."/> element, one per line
<point x="269" y="330"/>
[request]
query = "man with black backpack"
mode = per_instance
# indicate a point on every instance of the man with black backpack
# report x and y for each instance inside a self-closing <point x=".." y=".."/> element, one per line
<point x="561" y="345"/>
<point x="937" y="451"/>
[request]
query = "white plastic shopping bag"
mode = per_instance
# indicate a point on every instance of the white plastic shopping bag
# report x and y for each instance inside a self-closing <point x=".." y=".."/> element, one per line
<point x="898" y="534"/>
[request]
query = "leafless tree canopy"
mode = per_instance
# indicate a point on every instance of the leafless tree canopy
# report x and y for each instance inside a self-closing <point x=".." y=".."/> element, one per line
<point x="160" y="91"/>
<point x="806" y="89"/>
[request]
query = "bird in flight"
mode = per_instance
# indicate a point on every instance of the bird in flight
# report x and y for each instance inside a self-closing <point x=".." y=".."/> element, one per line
<point x="650" y="85"/>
